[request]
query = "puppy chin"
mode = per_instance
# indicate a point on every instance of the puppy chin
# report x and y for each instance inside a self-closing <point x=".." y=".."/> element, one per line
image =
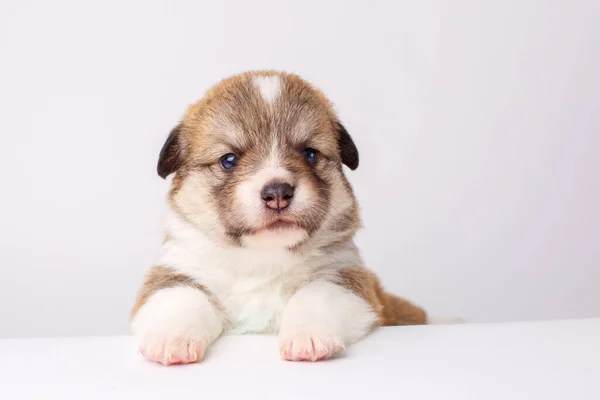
<point x="275" y="238"/>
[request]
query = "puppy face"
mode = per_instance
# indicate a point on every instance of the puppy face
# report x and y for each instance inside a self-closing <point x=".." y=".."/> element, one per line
<point x="258" y="163"/>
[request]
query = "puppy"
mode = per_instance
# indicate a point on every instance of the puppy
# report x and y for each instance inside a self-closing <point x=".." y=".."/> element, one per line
<point x="259" y="229"/>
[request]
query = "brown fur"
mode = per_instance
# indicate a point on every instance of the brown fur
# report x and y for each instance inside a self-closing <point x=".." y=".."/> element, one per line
<point x="161" y="277"/>
<point x="231" y="116"/>
<point x="392" y="310"/>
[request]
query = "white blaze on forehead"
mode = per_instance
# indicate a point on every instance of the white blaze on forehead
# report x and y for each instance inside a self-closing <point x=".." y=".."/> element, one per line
<point x="269" y="87"/>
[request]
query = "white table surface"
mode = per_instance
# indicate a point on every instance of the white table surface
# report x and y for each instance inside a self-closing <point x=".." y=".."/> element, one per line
<point x="529" y="360"/>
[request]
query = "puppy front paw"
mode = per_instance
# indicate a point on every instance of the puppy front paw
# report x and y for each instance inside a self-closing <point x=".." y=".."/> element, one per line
<point x="171" y="350"/>
<point x="310" y="347"/>
<point x="176" y="325"/>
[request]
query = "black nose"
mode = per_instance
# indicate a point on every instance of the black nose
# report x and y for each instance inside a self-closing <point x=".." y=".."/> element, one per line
<point x="277" y="196"/>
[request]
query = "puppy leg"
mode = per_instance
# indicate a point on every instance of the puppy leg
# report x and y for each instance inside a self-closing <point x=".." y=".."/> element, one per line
<point x="392" y="310"/>
<point x="174" y="319"/>
<point x="320" y="319"/>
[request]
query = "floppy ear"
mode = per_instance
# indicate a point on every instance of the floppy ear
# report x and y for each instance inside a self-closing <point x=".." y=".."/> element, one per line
<point x="170" y="158"/>
<point x="347" y="148"/>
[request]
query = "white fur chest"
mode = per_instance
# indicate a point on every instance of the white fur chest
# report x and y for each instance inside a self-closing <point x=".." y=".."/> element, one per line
<point x="255" y="305"/>
<point x="252" y="285"/>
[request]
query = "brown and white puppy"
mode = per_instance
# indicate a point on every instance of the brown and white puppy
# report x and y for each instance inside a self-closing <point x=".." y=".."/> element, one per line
<point x="259" y="229"/>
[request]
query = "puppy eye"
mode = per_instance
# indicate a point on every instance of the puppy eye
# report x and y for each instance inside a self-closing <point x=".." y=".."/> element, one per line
<point x="310" y="155"/>
<point x="229" y="161"/>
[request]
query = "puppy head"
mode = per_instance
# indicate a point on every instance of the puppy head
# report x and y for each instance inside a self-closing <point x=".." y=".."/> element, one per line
<point x="258" y="163"/>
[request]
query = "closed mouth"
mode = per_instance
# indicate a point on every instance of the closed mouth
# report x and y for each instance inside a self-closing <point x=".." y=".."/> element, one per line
<point x="281" y="225"/>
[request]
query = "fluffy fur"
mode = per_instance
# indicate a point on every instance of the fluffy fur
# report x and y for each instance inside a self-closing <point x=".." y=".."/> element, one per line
<point x="231" y="264"/>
